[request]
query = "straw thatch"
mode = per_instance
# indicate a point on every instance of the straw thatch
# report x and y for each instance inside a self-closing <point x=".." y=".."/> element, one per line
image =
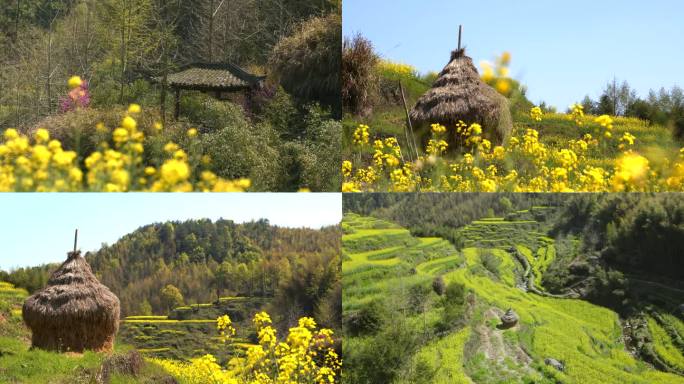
<point x="74" y="312"/>
<point x="510" y="318"/>
<point x="459" y="94"/>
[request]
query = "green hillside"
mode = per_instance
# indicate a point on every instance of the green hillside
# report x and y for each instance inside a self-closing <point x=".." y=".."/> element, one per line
<point x="389" y="119"/>
<point x="500" y="267"/>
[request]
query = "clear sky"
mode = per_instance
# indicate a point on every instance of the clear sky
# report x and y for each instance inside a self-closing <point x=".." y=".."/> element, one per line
<point x="39" y="228"/>
<point x="562" y="50"/>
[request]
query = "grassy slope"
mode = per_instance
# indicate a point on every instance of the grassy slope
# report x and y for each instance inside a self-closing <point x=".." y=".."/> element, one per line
<point x="585" y="336"/>
<point x="388" y="119"/>
<point x="18" y="364"/>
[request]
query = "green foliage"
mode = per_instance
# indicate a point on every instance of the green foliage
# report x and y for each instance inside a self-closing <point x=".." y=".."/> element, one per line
<point x="585" y="336"/>
<point x="145" y="308"/>
<point x="454" y="306"/>
<point x="368" y="320"/>
<point x="383" y="357"/>
<point x="441" y="362"/>
<point x="645" y="231"/>
<point x="190" y="332"/>
<point x="171" y="297"/>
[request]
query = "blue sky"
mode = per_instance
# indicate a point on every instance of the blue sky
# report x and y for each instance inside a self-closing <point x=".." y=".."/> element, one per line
<point x="39" y="228"/>
<point x="562" y="50"/>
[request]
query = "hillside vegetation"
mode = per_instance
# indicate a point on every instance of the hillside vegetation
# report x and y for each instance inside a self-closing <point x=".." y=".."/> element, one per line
<point x="73" y="68"/>
<point x="295" y="270"/>
<point x="582" y="150"/>
<point x="189" y="332"/>
<point x="420" y="310"/>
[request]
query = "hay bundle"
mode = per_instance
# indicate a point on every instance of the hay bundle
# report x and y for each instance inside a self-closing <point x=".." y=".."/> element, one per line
<point x="74" y="312"/>
<point x="509" y="319"/>
<point x="460" y="94"/>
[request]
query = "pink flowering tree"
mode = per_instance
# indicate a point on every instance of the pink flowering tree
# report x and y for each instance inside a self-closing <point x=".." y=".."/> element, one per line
<point x="77" y="98"/>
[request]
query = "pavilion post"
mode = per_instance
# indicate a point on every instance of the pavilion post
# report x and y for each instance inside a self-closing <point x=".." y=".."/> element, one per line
<point x="176" y="109"/>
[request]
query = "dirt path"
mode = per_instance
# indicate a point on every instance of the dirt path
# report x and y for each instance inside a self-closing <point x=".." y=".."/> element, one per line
<point x="495" y="348"/>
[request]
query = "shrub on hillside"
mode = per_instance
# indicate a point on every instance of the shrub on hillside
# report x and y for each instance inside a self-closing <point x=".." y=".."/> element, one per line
<point x="81" y="130"/>
<point x="358" y="75"/>
<point x="385" y="356"/>
<point x="235" y="150"/>
<point x="322" y="138"/>
<point x="307" y="63"/>
<point x="366" y="321"/>
<point x="454" y="306"/>
<point x="211" y="114"/>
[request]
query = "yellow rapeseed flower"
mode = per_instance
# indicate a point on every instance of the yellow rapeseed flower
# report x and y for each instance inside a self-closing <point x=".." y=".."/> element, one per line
<point x="42" y="135"/>
<point x="129" y="123"/>
<point x="75" y="82"/>
<point x="120" y="135"/>
<point x="175" y="171"/>
<point x="11" y="134"/>
<point x="503" y="86"/>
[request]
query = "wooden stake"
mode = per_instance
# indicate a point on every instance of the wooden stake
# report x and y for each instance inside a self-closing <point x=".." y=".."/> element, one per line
<point x="460" y="30"/>
<point x="75" y="239"/>
<point x="410" y="138"/>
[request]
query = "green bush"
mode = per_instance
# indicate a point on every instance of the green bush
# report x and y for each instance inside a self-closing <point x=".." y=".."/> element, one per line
<point x="454" y="306"/>
<point x="383" y="358"/>
<point x="368" y="320"/>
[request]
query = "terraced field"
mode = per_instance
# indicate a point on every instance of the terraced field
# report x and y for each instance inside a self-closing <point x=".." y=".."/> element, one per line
<point x="190" y="331"/>
<point x="382" y="260"/>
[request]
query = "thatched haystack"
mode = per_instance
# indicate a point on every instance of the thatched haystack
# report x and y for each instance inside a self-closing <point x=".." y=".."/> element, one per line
<point x="74" y="312"/>
<point x="459" y="94"/>
<point x="509" y="319"/>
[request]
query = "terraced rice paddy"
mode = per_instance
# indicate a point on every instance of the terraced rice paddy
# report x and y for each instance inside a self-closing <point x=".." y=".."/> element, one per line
<point x="382" y="260"/>
<point x="190" y="331"/>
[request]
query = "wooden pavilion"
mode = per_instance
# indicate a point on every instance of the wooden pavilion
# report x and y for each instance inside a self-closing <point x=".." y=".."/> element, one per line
<point x="218" y="78"/>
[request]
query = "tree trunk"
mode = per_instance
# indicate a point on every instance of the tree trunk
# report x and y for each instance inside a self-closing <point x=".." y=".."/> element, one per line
<point x="123" y="50"/>
<point x="49" y="69"/>
<point x="16" y="22"/>
<point x="176" y="112"/>
<point x="162" y="94"/>
<point x="211" y="31"/>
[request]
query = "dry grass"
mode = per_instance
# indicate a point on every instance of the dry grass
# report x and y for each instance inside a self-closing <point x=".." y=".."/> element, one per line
<point x="74" y="312"/>
<point x="459" y="94"/>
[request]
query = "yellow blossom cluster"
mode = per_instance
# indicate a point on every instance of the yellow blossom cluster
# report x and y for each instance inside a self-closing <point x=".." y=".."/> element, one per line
<point x="361" y="135"/>
<point x="536" y="114"/>
<point x="116" y="166"/>
<point x="202" y="370"/>
<point x="497" y="74"/>
<point x="225" y="327"/>
<point x="577" y="114"/>
<point x="524" y="164"/>
<point x="306" y="355"/>
<point x="41" y="165"/>
<point x="400" y="69"/>
<point x="606" y="122"/>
